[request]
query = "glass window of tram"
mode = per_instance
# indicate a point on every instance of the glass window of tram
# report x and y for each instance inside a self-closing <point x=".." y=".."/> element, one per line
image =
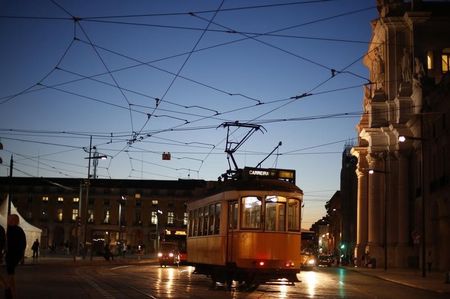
<point x="205" y="221"/>
<point x="217" y="219"/>
<point x="233" y="215"/>
<point x="294" y="214"/>
<point x="211" y="220"/>
<point x="275" y="216"/>
<point x="251" y="212"/>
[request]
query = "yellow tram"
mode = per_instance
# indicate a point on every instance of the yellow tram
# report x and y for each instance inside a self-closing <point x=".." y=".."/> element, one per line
<point x="248" y="228"/>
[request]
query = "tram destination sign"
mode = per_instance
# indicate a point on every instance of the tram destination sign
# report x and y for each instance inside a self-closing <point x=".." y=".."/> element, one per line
<point x="271" y="173"/>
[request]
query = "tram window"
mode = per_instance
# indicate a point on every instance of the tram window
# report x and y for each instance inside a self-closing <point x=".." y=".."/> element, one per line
<point x="293" y="215"/>
<point x="195" y="228"/>
<point x="211" y="220"/>
<point x="217" y="219"/>
<point x="233" y="215"/>
<point x="251" y="212"/>
<point x="189" y="224"/>
<point x="205" y="221"/>
<point x="200" y="221"/>
<point x="275" y="214"/>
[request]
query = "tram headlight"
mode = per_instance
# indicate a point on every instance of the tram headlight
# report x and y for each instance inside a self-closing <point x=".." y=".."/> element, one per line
<point x="171" y="254"/>
<point x="160" y="254"/>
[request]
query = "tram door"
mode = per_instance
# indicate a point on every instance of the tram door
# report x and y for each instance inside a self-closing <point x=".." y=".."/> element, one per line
<point x="231" y="228"/>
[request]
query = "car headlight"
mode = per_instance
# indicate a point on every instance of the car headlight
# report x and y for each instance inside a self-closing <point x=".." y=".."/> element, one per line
<point x="311" y="262"/>
<point x="171" y="254"/>
<point x="160" y="254"/>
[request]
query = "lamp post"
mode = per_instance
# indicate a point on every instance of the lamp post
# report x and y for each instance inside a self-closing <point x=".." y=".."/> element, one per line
<point x="158" y="211"/>
<point x="422" y="174"/>
<point x="121" y="202"/>
<point x="84" y="206"/>
<point x="385" y="172"/>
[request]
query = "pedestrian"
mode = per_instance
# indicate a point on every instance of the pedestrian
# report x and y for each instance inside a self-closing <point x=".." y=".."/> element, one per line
<point x="15" y="249"/>
<point x="35" y="248"/>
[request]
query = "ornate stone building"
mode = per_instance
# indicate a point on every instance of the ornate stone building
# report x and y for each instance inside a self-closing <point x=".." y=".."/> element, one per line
<point x="403" y="208"/>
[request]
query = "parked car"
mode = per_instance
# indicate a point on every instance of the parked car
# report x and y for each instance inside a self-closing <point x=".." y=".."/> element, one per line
<point x="168" y="255"/>
<point x="325" y="260"/>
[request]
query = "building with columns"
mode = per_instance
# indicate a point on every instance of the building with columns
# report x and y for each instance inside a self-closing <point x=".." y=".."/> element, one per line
<point x="403" y="206"/>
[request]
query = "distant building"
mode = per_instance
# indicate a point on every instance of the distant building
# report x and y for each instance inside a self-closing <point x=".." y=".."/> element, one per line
<point x="348" y="195"/>
<point x="135" y="211"/>
<point x="403" y="208"/>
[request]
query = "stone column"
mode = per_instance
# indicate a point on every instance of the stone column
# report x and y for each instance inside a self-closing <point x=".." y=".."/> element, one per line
<point x="375" y="215"/>
<point x="402" y="219"/>
<point x="361" y="215"/>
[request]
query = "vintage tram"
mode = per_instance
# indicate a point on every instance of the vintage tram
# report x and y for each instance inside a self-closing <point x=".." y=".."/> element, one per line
<point x="247" y="228"/>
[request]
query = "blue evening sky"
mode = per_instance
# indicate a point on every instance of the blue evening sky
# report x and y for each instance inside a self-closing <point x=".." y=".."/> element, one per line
<point x="147" y="77"/>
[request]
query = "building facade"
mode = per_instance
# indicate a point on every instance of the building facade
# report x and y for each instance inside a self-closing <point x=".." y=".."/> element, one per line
<point x="134" y="212"/>
<point x="403" y="207"/>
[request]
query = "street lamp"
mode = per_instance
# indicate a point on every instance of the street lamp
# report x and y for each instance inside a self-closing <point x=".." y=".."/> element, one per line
<point x="422" y="174"/>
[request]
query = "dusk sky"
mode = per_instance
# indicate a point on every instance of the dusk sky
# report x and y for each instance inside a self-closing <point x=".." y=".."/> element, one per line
<point x="147" y="77"/>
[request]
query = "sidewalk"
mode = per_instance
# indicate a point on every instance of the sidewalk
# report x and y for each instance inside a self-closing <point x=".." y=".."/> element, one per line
<point x="78" y="260"/>
<point x="433" y="281"/>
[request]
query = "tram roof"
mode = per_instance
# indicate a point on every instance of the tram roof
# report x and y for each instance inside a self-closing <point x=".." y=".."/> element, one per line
<point x="254" y="184"/>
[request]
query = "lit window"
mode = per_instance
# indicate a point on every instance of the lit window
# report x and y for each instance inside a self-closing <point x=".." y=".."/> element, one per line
<point x="251" y="212"/>
<point x="185" y="219"/>
<point x="44" y="198"/>
<point x="154" y="202"/>
<point x="60" y="199"/>
<point x="90" y="217"/>
<point x="76" y="199"/>
<point x="445" y="58"/>
<point x="275" y="213"/>
<point x="294" y="215"/>
<point x="137" y="195"/>
<point x="74" y="214"/>
<point x="59" y="215"/>
<point x="154" y="217"/>
<point x="170" y="217"/>
<point x="106" y="218"/>
<point x="430" y="60"/>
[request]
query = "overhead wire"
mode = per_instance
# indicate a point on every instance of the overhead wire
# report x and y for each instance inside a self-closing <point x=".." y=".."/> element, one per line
<point x="182" y="65"/>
